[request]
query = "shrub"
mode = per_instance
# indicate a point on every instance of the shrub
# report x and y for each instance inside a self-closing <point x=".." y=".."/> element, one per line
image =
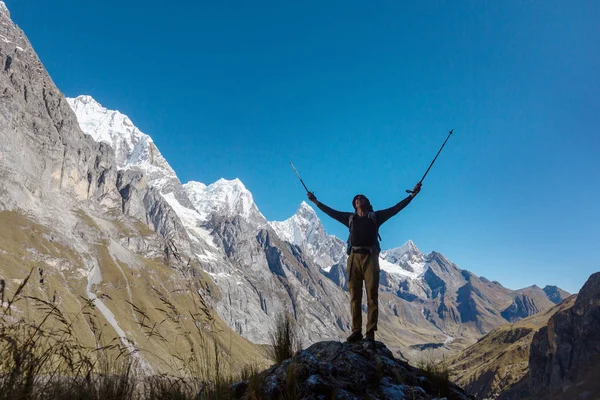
<point x="284" y="338"/>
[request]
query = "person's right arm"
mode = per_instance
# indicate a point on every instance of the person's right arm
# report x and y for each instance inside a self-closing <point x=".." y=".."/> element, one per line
<point x="343" y="217"/>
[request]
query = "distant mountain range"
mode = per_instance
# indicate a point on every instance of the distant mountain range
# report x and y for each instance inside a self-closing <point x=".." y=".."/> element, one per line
<point x="109" y="221"/>
<point x="428" y="290"/>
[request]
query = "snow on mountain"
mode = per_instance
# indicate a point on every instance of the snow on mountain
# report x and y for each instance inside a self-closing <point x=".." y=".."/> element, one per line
<point x="227" y="198"/>
<point x="299" y="226"/>
<point x="304" y="229"/>
<point x="133" y="148"/>
<point x="405" y="260"/>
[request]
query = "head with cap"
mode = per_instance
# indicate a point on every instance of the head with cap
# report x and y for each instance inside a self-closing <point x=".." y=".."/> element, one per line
<point x="365" y="202"/>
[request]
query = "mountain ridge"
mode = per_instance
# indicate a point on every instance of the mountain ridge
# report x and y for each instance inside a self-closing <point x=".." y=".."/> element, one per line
<point x="126" y="214"/>
<point x="452" y="297"/>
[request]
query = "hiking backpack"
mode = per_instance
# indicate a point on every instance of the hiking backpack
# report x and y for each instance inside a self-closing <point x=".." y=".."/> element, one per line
<point x="373" y="217"/>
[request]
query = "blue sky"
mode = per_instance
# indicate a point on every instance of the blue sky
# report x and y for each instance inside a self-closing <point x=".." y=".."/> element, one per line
<point x="360" y="97"/>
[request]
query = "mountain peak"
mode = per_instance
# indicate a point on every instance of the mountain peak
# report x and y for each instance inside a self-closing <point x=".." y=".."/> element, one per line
<point x="304" y="229"/>
<point x="408" y="247"/>
<point x="229" y="198"/>
<point x="304" y="205"/>
<point x="132" y="147"/>
<point x="306" y="211"/>
<point x="84" y="99"/>
<point x="87" y="107"/>
<point x="555" y="294"/>
<point x="404" y="260"/>
<point x="195" y="185"/>
<point x="235" y="182"/>
<point x="4" y="9"/>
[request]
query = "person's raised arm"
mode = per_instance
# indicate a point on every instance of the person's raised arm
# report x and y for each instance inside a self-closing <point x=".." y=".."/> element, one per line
<point x="384" y="215"/>
<point x="343" y="217"/>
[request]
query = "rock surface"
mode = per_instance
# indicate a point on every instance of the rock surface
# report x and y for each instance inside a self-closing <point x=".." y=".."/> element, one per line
<point x="500" y="359"/>
<point x="334" y="370"/>
<point x="563" y="352"/>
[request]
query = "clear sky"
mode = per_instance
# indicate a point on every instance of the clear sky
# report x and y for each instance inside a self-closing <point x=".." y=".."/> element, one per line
<point x="360" y="95"/>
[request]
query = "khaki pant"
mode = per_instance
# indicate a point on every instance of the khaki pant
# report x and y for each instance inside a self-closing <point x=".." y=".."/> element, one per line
<point x="363" y="267"/>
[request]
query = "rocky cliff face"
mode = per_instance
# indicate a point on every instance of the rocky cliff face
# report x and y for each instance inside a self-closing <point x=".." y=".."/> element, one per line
<point x="555" y="294"/>
<point x="499" y="360"/>
<point x="92" y="231"/>
<point x="44" y="152"/>
<point x="566" y="353"/>
<point x="521" y="307"/>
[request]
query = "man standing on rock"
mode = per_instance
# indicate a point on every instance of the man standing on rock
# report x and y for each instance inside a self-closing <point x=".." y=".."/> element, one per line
<point x="363" y="256"/>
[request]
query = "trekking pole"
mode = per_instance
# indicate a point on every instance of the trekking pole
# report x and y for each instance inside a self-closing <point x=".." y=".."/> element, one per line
<point x="298" y="175"/>
<point x="436" y="156"/>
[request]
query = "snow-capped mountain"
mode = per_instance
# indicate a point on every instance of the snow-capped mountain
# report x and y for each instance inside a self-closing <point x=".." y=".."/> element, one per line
<point x="227" y="198"/>
<point x="405" y="260"/>
<point x="243" y="253"/>
<point x="304" y="229"/>
<point x="133" y="148"/>
<point x="229" y="238"/>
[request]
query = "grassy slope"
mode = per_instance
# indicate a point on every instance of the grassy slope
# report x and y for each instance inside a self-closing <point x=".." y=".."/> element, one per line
<point x="168" y="323"/>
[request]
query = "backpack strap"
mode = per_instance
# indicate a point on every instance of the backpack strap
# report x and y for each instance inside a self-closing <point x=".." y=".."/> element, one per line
<point x="373" y="217"/>
<point x="348" y="245"/>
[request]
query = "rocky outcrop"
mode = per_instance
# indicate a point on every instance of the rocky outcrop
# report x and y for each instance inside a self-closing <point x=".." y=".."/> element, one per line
<point x="334" y="370"/>
<point x="43" y="151"/>
<point x="544" y="298"/>
<point x="555" y="294"/>
<point x="499" y="360"/>
<point x="564" y="352"/>
<point x="522" y="306"/>
<point x="277" y="277"/>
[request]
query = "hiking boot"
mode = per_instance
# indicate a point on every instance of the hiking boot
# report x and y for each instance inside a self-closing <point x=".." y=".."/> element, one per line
<point x="369" y="343"/>
<point x="355" y="337"/>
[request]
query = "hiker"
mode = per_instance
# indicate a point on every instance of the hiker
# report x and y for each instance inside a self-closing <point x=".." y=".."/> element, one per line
<point x="363" y="256"/>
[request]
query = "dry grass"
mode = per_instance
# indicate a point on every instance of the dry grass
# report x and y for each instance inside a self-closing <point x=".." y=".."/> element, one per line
<point x="55" y="343"/>
<point x="44" y="358"/>
<point x="285" y="341"/>
<point x="438" y="374"/>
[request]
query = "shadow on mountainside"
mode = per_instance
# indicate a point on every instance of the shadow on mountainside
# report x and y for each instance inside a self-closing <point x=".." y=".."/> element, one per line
<point x="335" y="370"/>
<point x="553" y="354"/>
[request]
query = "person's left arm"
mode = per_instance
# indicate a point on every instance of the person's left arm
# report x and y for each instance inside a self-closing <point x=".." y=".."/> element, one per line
<point x="384" y="215"/>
